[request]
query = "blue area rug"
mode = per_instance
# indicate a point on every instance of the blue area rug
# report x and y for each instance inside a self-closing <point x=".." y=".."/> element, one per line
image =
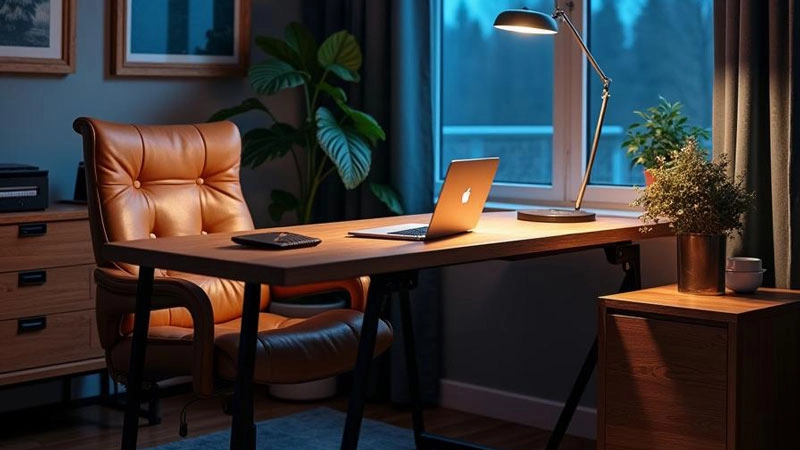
<point x="316" y="429"/>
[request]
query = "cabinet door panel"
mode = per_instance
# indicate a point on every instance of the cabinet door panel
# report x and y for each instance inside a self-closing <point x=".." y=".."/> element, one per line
<point x="665" y="384"/>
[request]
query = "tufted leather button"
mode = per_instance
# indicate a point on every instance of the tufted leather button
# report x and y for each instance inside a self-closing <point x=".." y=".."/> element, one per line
<point x="137" y="184"/>
<point x="204" y="232"/>
<point x="152" y="235"/>
<point x="200" y="181"/>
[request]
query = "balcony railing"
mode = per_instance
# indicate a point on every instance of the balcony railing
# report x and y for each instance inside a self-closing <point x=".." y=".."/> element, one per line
<point x="526" y="153"/>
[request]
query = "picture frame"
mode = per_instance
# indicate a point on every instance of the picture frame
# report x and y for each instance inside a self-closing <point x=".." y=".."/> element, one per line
<point x="167" y="39"/>
<point x="38" y="37"/>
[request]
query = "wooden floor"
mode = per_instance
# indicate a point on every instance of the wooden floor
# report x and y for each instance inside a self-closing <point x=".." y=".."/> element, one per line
<point x="95" y="427"/>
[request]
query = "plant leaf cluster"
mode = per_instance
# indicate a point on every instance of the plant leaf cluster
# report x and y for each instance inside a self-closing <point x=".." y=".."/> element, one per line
<point x="662" y="131"/>
<point x="695" y="194"/>
<point x="334" y="136"/>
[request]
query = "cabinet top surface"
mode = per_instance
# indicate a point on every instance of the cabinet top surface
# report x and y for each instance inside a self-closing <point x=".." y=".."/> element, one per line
<point x="54" y="212"/>
<point x="667" y="299"/>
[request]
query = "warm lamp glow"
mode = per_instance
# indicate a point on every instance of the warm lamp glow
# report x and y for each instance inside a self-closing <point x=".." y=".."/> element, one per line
<point x="523" y="29"/>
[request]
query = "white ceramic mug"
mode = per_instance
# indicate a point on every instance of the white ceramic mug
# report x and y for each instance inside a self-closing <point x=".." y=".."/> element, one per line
<point x="743" y="264"/>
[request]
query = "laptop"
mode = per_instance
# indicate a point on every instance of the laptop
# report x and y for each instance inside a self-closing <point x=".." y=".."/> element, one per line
<point x="464" y="192"/>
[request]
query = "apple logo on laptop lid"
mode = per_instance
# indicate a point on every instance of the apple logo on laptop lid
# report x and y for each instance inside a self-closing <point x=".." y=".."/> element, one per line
<point x="465" y="196"/>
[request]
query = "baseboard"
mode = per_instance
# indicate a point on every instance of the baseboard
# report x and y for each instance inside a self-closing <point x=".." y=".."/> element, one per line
<point x="516" y="408"/>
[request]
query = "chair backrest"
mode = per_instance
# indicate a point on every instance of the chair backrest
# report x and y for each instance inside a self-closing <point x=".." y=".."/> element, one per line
<point x="150" y="181"/>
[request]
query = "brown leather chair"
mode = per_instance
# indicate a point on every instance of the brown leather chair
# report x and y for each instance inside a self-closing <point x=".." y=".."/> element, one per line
<point x="174" y="180"/>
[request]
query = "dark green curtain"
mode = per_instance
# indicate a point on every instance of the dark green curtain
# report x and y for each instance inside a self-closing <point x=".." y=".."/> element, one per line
<point x="755" y="123"/>
<point x="395" y="89"/>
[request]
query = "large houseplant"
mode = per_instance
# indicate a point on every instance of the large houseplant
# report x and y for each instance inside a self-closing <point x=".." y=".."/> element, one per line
<point x="333" y="137"/>
<point x="662" y="131"/>
<point x="704" y="206"/>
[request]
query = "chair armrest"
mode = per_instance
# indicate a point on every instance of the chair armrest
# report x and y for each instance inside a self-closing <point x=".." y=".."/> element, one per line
<point x="356" y="287"/>
<point x="116" y="296"/>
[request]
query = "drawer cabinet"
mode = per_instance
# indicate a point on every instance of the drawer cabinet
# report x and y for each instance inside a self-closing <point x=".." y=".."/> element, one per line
<point x="47" y="319"/>
<point x="680" y="371"/>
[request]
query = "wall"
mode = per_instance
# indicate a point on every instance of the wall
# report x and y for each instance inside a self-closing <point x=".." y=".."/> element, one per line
<point x="36" y="114"/>
<point x="516" y="333"/>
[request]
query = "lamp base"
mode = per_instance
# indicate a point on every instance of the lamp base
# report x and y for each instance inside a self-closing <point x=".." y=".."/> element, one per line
<point x="556" y="215"/>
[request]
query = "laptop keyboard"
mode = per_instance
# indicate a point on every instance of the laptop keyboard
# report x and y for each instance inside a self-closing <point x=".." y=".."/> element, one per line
<point x="421" y="231"/>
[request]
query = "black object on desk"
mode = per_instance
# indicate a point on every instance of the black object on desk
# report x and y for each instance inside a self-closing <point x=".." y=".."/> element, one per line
<point x="276" y="240"/>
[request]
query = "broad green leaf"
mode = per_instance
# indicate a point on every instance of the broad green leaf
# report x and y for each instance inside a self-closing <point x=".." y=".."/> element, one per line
<point x="302" y="41"/>
<point x="248" y="105"/>
<point x="337" y="94"/>
<point x="340" y="49"/>
<point x="366" y="125"/>
<point x="348" y="151"/>
<point x="280" y="50"/>
<point x="344" y="74"/>
<point x="262" y="144"/>
<point x="282" y="201"/>
<point x="270" y="77"/>
<point x="388" y="196"/>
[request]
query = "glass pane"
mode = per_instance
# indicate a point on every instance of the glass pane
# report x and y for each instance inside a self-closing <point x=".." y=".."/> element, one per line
<point x="496" y="89"/>
<point x="180" y="27"/>
<point x="649" y="48"/>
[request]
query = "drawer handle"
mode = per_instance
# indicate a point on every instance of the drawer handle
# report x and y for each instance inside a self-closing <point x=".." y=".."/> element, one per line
<point x="32" y="278"/>
<point x="32" y="229"/>
<point x="31" y="324"/>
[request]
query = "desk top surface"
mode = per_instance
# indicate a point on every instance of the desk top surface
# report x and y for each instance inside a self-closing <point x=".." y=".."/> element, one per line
<point x="498" y="235"/>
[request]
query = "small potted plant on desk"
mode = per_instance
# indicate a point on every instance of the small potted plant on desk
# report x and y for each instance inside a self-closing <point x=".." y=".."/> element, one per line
<point x="703" y="206"/>
<point x="663" y="130"/>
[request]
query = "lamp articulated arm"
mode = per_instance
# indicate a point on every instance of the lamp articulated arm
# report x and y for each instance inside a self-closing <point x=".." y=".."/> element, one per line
<point x="561" y="14"/>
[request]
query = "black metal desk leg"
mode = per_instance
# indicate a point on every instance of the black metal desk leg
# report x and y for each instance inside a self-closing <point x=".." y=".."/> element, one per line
<point x="574" y="397"/>
<point x="627" y="256"/>
<point x="243" y="430"/>
<point x="141" y="323"/>
<point x="378" y="291"/>
<point x="412" y="370"/>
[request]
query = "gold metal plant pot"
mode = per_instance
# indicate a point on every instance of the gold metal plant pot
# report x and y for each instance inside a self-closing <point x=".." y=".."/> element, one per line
<point x="701" y="264"/>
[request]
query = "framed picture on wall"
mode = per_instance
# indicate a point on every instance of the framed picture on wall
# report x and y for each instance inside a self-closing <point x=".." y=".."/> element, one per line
<point x="37" y="36"/>
<point x="180" y="38"/>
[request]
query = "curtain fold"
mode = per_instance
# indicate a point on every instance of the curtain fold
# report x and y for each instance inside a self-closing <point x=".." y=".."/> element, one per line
<point x="755" y="114"/>
<point x="395" y="89"/>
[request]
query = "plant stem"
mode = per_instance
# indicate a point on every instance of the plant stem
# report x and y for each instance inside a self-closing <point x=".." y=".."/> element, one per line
<point x="271" y="116"/>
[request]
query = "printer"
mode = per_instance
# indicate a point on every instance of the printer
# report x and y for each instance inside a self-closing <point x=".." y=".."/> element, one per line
<point x="22" y="188"/>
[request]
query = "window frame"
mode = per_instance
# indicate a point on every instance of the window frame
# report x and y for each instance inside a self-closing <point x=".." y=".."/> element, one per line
<point x="572" y="128"/>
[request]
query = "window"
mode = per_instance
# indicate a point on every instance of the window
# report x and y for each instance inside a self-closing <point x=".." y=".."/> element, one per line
<point x="533" y="100"/>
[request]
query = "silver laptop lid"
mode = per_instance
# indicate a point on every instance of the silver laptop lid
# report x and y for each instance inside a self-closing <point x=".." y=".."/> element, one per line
<point x="464" y="192"/>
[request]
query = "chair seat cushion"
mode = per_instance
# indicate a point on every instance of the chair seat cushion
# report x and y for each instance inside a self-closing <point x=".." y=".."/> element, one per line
<point x="298" y="350"/>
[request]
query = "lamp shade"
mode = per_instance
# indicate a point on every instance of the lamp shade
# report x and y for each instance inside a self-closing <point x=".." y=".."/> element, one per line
<point x="526" y="21"/>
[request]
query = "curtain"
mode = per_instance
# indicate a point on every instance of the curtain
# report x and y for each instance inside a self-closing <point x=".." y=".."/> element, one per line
<point x="395" y="89"/>
<point x="755" y="123"/>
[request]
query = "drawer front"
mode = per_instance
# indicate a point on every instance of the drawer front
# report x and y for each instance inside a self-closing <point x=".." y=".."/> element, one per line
<point x="665" y="384"/>
<point x="46" y="340"/>
<point x="45" y="244"/>
<point x="46" y="291"/>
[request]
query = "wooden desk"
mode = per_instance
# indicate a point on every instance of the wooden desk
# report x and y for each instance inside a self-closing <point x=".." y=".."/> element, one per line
<point x="392" y="265"/>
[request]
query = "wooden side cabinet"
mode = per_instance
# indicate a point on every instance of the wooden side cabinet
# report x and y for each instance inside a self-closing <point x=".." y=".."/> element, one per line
<point x="47" y="319"/>
<point x="679" y="371"/>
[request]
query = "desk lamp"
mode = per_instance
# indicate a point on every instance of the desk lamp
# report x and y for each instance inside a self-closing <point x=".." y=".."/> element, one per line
<point x="533" y="22"/>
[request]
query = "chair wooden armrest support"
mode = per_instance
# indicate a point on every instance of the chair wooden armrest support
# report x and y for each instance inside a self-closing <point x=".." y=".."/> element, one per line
<point x="119" y="287"/>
